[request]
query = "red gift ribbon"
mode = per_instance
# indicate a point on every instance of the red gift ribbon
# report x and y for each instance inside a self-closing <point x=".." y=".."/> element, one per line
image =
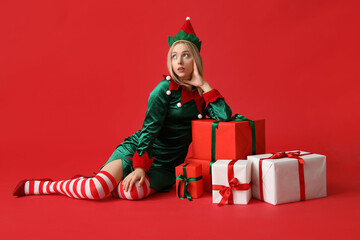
<point x="226" y="192"/>
<point x="301" y="163"/>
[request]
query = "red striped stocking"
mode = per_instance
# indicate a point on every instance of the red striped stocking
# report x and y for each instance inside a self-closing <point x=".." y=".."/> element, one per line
<point x="136" y="193"/>
<point x="97" y="187"/>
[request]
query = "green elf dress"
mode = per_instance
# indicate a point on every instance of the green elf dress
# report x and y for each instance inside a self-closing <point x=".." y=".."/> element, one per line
<point x="164" y="139"/>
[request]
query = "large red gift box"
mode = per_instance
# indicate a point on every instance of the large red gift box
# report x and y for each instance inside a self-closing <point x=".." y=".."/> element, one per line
<point x="189" y="176"/>
<point x="233" y="139"/>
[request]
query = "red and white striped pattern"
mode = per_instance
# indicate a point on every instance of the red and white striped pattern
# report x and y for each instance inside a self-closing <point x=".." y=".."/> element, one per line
<point x="97" y="187"/>
<point x="136" y="192"/>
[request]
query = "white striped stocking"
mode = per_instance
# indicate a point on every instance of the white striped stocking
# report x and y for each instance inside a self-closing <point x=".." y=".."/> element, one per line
<point x="97" y="187"/>
<point x="136" y="192"/>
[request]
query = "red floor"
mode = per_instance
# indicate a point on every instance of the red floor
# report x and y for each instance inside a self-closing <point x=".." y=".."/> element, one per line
<point x="165" y="216"/>
<point x="74" y="81"/>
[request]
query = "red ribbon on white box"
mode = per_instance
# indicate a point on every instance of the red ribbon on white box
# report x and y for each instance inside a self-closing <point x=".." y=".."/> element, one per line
<point x="301" y="163"/>
<point x="226" y="192"/>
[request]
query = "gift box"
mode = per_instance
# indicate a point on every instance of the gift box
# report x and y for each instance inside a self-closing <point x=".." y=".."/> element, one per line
<point x="213" y="140"/>
<point x="231" y="182"/>
<point x="189" y="182"/>
<point x="205" y="172"/>
<point x="288" y="176"/>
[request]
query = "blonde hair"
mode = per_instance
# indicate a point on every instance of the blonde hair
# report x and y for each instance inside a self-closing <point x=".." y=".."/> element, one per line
<point x="196" y="56"/>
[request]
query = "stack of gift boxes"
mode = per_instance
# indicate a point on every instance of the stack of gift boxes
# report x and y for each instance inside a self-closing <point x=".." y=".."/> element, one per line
<point x="229" y="160"/>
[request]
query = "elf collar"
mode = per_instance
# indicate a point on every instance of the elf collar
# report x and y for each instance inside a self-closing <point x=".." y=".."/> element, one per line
<point x="186" y="95"/>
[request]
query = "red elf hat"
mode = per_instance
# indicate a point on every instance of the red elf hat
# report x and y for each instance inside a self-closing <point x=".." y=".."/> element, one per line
<point x="186" y="33"/>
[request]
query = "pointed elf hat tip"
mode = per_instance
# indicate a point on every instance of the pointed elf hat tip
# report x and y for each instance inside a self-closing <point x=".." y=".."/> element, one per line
<point x="186" y="33"/>
<point x="187" y="27"/>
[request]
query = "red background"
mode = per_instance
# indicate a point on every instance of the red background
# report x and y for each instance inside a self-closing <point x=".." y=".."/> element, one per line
<point x="75" y="78"/>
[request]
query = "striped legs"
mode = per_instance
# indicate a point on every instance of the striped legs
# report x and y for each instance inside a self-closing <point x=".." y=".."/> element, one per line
<point x="97" y="187"/>
<point x="136" y="193"/>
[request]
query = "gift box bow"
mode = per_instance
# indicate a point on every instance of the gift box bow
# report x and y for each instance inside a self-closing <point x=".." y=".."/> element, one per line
<point x="234" y="184"/>
<point x="289" y="155"/>
<point x="183" y="178"/>
<point x="226" y="192"/>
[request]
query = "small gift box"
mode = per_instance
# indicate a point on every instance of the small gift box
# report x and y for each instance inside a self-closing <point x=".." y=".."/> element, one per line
<point x="288" y="176"/>
<point x="189" y="183"/>
<point x="235" y="139"/>
<point x="205" y="172"/>
<point x="231" y="182"/>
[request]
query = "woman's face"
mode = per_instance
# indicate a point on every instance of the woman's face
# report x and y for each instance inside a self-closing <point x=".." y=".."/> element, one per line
<point x="182" y="61"/>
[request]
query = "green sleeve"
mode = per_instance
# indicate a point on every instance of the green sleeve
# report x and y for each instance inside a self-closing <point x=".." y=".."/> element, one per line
<point x="216" y="107"/>
<point x="155" y="115"/>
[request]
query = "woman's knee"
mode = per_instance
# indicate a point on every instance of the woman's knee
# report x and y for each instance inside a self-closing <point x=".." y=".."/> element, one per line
<point x="115" y="168"/>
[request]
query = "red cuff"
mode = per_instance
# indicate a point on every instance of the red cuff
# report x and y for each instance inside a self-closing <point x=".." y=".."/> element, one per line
<point x="211" y="96"/>
<point x="142" y="162"/>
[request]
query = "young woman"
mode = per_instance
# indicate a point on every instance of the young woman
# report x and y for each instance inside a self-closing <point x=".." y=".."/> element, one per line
<point x="145" y="162"/>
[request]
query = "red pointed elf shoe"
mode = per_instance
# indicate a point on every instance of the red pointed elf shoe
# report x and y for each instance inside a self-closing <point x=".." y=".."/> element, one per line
<point x="19" y="190"/>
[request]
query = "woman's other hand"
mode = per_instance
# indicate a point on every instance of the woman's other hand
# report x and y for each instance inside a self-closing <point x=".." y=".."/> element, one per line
<point x="130" y="180"/>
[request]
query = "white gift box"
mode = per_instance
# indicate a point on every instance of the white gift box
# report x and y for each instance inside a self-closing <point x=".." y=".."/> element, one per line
<point x="280" y="178"/>
<point x="241" y="170"/>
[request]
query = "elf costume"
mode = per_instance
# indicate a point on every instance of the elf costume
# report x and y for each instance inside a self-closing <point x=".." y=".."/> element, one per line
<point x="164" y="139"/>
<point x="159" y="146"/>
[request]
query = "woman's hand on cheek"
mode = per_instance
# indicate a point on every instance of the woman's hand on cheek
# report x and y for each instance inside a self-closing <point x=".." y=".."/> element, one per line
<point x="196" y="80"/>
